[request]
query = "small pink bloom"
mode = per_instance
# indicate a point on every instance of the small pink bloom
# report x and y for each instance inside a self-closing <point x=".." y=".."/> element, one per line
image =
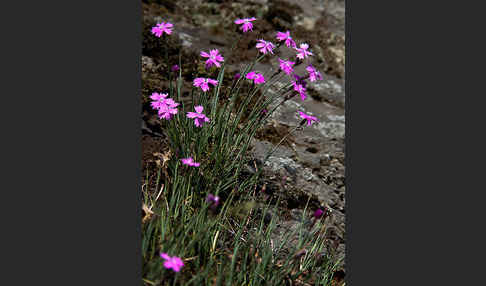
<point x="203" y="83"/>
<point x="190" y="162"/>
<point x="256" y="77"/>
<point x="287" y="38"/>
<point x="313" y="73"/>
<point x="247" y="25"/>
<point x="174" y="68"/>
<point x="158" y="99"/>
<point x="264" y="47"/>
<point x="318" y="213"/>
<point x="199" y="118"/>
<point x="161" y="28"/>
<point x="214" y="58"/>
<point x="286" y="66"/>
<point x="309" y="118"/>
<point x="299" y="87"/>
<point x="303" y="52"/>
<point x="174" y="263"/>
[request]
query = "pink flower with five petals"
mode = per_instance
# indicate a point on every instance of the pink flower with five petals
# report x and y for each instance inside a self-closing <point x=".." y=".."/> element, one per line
<point x="203" y="83"/>
<point x="247" y="25"/>
<point x="264" y="47"/>
<point x="161" y="28"/>
<point x="303" y="52"/>
<point x="214" y="58"/>
<point x="199" y="117"/>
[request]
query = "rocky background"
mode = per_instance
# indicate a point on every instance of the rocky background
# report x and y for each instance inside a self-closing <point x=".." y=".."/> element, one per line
<point x="309" y="165"/>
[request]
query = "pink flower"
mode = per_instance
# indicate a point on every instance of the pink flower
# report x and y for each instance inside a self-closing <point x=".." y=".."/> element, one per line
<point x="203" y="83"/>
<point x="313" y="73"/>
<point x="199" y="118"/>
<point x="309" y="118"/>
<point x="286" y="66"/>
<point x="161" y="28"/>
<point x="174" y="263"/>
<point x="214" y="58"/>
<point x="303" y="52"/>
<point x="158" y="99"/>
<point x="256" y="77"/>
<point x="318" y="213"/>
<point x="247" y="25"/>
<point x="287" y="38"/>
<point x="299" y="87"/>
<point x="168" y="108"/>
<point x="174" y="68"/>
<point x="190" y="162"/>
<point x="265" y="46"/>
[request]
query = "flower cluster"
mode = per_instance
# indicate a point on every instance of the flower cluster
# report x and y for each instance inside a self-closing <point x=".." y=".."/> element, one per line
<point x="166" y="107"/>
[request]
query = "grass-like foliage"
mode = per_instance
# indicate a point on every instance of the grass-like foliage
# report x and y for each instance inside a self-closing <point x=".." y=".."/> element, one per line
<point x="203" y="223"/>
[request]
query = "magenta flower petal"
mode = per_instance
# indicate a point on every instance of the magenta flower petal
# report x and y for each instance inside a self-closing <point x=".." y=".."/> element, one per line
<point x="164" y="255"/>
<point x="212" y="81"/>
<point x="199" y="108"/>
